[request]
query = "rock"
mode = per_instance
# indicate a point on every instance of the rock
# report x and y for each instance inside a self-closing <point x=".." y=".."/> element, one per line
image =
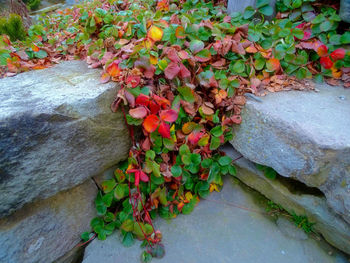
<point x="344" y="10"/>
<point x="56" y="130"/>
<point x="240" y="6"/>
<point x="218" y="231"/>
<point x="302" y="135"/>
<point x="332" y="227"/>
<point x="46" y="230"/>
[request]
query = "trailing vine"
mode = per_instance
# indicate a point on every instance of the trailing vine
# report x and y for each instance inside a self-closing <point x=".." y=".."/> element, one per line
<point x="184" y="69"/>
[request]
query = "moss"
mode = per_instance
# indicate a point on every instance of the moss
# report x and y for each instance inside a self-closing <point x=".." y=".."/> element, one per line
<point x="13" y="27"/>
<point x="32" y="4"/>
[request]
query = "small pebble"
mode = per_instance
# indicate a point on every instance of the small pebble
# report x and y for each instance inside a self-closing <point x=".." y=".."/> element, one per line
<point x="342" y="97"/>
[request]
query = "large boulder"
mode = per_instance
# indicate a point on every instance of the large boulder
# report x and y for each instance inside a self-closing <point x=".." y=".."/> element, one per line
<point x="302" y="135"/>
<point x="295" y="198"/>
<point x="46" y="230"/>
<point x="56" y="131"/>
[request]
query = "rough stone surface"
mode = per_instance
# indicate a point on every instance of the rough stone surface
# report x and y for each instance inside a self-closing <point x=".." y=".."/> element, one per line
<point x="332" y="227"/>
<point x="216" y="231"/>
<point x="46" y="230"/>
<point x="240" y="6"/>
<point x="56" y="130"/>
<point x="303" y="135"/>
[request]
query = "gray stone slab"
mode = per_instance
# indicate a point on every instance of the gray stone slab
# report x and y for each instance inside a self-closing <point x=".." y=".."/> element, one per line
<point x="330" y="225"/>
<point x="56" y="130"/>
<point x="303" y="135"/>
<point x="46" y="230"/>
<point x="216" y="231"/>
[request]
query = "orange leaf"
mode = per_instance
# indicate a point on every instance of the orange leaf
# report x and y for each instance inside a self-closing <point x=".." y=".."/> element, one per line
<point x="322" y="50"/>
<point x="155" y="33"/>
<point x="188" y="127"/>
<point x="113" y="69"/>
<point x="273" y="64"/>
<point x="151" y="123"/>
<point x="251" y="49"/>
<point x="138" y="113"/>
<point x="164" y="130"/>
<point x="168" y="115"/>
<point x="105" y="77"/>
<point x="180" y="32"/>
<point x="35" y="48"/>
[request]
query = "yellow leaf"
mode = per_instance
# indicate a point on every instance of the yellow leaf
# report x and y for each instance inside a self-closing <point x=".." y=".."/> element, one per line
<point x="155" y="33"/>
<point x="188" y="196"/>
<point x="153" y="60"/>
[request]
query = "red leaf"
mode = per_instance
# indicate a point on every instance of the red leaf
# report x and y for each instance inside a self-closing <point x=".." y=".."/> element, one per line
<point x="149" y="72"/>
<point x="138" y="113"/>
<point x="113" y="69"/>
<point x="326" y="62"/>
<point x="154" y="107"/>
<point x="322" y="50"/>
<point x="143" y="177"/>
<point x="273" y="64"/>
<point x="164" y="130"/>
<point x="137" y="178"/>
<point x="134" y="80"/>
<point x="184" y="72"/>
<point x="142" y="100"/>
<point x="194" y="137"/>
<point x="172" y="70"/>
<point x="338" y="54"/>
<point x="163" y="102"/>
<point x="183" y="54"/>
<point x="130" y="98"/>
<point x="151" y="123"/>
<point x="172" y="55"/>
<point x="168" y="115"/>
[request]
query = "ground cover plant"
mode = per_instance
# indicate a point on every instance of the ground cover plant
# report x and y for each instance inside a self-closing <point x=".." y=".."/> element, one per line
<point x="184" y="69"/>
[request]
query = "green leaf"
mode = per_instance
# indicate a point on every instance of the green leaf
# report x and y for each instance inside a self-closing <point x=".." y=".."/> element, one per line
<point x="196" y="46"/>
<point x="41" y="54"/>
<point x="96" y="222"/>
<point x="101" y="209"/>
<point x="186" y="159"/>
<point x="259" y="63"/>
<point x="121" y="191"/>
<point x="214" y="143"/>
<point x="86" y="236"/>
<point x="184" y="149"/>
<point x="225" y="160"/>
<point x="128" y="239"/>
<point x="204" y="54"/>
<point x="266" y="10"/>
<point x="146" y="257"/>
<point x="326" y="25"/>
<point x="217" y="131"/>
<point x="298" y="33"/>
<point x="128" y="225"/>
<point x="297" y="3"/>
<point x="150" y="154"/>
<point x="238" y="66"/>
<point x="176" y="170"/>
<point x="261" y="3"/>
<point x="345" y="38"/>
<point x="186" y="93"/>
<point x="248" y="12"/>
<point x="206" y="163"/>
<point x="232" y="170"/>
<point x="196" y="158"/>
<point x="108" y="185"/>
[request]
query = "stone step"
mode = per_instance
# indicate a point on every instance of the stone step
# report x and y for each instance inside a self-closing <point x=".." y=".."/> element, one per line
<point x="300" y="201"/>
<point x="56" y="131"/>
<point x="218" y="231"/>
<point x="302" y="135"/>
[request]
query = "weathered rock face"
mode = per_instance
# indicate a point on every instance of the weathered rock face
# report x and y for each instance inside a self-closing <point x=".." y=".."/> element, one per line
<point x="303" y="135"/>
<point x="46" y="230"/>
<point x="332" y="227"/>
<point x="56" y="130"/>
<point x="218" y="231"/>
